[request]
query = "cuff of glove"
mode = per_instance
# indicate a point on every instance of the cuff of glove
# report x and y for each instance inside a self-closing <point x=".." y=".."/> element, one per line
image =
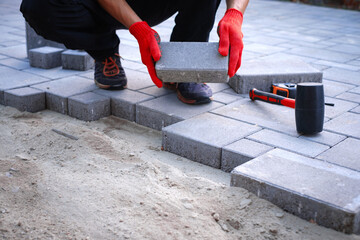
<point x="232" y="12"/>
<point x="139" y="29"/>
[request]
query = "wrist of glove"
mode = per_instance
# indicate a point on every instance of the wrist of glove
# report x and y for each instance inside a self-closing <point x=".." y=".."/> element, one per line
<point x="229" y="31"/>
<point x="148" y="40"/>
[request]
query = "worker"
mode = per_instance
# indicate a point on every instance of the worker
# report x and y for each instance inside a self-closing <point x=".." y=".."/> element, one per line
<point x="91" y="25"/>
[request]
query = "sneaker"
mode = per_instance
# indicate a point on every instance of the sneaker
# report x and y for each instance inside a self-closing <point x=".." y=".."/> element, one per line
<point x="109" y="74"/>
<point x="191" y="93"/>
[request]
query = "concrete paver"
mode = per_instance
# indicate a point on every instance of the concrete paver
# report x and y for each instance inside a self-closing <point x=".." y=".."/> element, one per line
<point x="58" y="91"/>
<point x="349" y="96"/>
<point x="311" y="189"/>
<point x="123" y="103"/>
<point x="325" y="137"/>
<point x="25" y="99"/>
<point x="289" y="143"/>
<point x="45" y="57"/>
<point x="191" y="62"/>
<point x="225" y="98"/>
<point x="323" y="54"/>
<point x="261" y="73"/>
<point x="167" y="110"/>
<point x="332" y="88"/>
<point x="339" y="108"/>
<point x="202" y="137"/>
<point x="241" y="152"/>
<point x="342" y="75"/>
<point x="10" y="79"/>
<point x="356" y="110"/>
<point x="345" y="154"/>
<point x="76" y="60"/>
<point x="89" y="106"/>
<point x="277" y="118"/>
<point x="347" y="124"/>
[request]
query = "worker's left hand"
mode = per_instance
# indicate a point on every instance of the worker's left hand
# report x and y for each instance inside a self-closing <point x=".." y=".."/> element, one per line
<point x="148" y="40"/>
<point x="230" y="34"/>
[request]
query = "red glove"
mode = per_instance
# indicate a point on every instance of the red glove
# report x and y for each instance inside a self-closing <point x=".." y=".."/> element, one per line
<point x="230" y="34"/>
<point x="148" y="40"/>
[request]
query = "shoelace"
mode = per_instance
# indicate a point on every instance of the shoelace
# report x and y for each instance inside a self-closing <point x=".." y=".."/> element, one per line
<point x="110" y="67"/>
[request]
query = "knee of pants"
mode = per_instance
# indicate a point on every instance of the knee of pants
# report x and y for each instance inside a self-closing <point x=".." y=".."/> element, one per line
<point x="37" y="14"/>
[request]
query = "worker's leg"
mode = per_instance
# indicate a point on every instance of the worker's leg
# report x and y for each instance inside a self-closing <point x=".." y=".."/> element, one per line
<point x="71" y="23"/>
<point x="195" y="20"/>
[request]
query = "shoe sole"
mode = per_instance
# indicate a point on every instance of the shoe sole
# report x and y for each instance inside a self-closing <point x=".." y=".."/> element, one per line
<point x="110" y="87"/>
<point x="194" y="101"/>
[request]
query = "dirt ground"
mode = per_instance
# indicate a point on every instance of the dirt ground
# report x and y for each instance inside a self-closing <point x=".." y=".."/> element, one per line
<point x="114" y="182"/>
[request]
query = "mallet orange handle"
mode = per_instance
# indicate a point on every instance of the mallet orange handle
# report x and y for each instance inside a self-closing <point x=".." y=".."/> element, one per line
<point x="255" y="94"/>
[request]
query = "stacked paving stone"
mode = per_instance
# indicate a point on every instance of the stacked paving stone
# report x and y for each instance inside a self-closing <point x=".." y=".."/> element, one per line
<point x="315" y="177"/>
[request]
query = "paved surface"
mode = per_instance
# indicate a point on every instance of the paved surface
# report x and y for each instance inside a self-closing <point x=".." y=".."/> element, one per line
<point x="327" y="39"/>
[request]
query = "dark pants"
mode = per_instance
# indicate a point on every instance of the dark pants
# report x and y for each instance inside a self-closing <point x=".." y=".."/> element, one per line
<point x="84" y="24"/>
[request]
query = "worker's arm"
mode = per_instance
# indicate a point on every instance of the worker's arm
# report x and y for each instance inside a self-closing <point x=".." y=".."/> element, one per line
<point x="237" y="4"/>
<point x="121" y="11"/>
<point x="147" y="38"/>
<point x="230" y="34"/>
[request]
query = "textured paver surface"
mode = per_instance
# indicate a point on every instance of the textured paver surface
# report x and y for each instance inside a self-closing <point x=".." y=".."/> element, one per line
<point x="191" y="62"/>
<point x="303" y="38"/>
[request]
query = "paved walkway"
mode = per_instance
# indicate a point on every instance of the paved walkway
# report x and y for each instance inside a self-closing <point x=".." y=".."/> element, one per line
<point x="323" y="171"/>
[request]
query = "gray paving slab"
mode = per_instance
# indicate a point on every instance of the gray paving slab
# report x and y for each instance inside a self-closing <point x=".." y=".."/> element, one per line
<point x="76" y="60"/>
<point x="45" y="57"/>
<point x="138" y="80"/>
<point x="265" y="39"/>
<point x="277" y="118"/>
<point x="201" y="138"/>
<point x="311" y="189"/>
<point x="123" y="102"/>
<point x="167" y="110"/>
<point x="15" y="63"/>
<point x="33" y="40"/>
<point x="351" y="97"/>
<point x="286" y="55"/>
<point x="355" y="90"/>
<point x="296" y="36"/>
<point x="319" y="67"/>
<point x="240" y="152"/>
<point x="89" y="106"/>
<point x="263" y="48"/>
<point x="347" y="124"/>
<point x="156" y="92"/>
<point x="131" y="64"/>
<point x="323" y="54"/>
<point x="290" y="143"/>
<point x="10" y="79"/>
<point x="191" y="62"/>
<point x="25" y="99"/>
<point x="225" y="98"/>
<point x="332" y="88"/>
<point x="338" y="65"/>
<point x="354" y="63"/>
<point x="17" y="51"/>
<point x="356" y="110"/>
<point x="218" y="87"/>
<point x="350" y="39"/>
<point x="130" y="53"/>
<point x="345" y="154"/>
<point x="262" y="73"/>
<point x="339" y="108"/>
<point x="342" y="75"/>
<point x="54" y="73"/>
<point x="325" y="137"/>
<point x="58" y="91"/>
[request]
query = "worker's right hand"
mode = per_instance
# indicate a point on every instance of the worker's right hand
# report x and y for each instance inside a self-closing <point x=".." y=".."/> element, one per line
<point x="148" y="40"/>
